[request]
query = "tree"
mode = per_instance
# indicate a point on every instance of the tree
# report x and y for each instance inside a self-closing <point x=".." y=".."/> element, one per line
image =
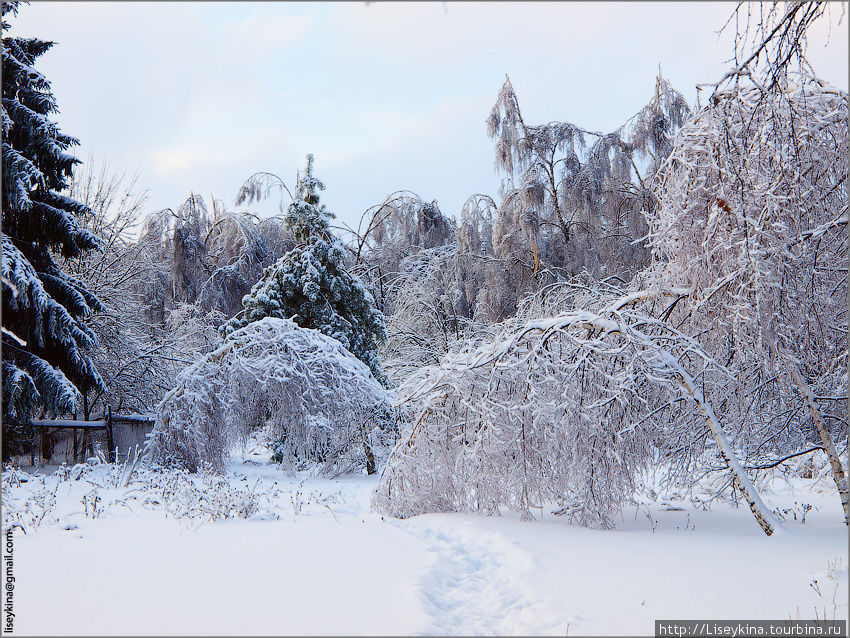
<point x="429" y="315"/>
<point x="771" y="43"/>
<point x="210" y="259"/>
<point x="578" y="204"/>
<point x="752" y="222"/>
<point x="317" y="401"/>
<point x="138" y="359"/>
<point x="311" y="285"/>
<point x="727" y="353"/>
<point x="394" y="230"/>
<point x="564" y="408"/>
<point x="45" y="336"/>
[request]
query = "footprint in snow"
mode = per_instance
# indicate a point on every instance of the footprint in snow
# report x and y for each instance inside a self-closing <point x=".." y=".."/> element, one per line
<point x="478" y="585"/>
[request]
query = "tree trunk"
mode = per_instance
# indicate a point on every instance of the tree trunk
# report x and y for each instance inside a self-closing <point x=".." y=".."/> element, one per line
<point x="740" y="481"/>
<point x="829" y="447"/>
<point x="370" y="459"/>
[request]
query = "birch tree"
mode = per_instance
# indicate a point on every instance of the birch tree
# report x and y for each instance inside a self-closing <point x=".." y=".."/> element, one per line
<point x="574" y="196"/>
<point x="752" y="220"/>
<point x="564" y="409"/>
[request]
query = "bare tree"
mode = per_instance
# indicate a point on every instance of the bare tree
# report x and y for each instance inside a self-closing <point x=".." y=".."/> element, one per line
<point x="135" y="359"/>
<point x="575" y="197"/>
<point x="752" y="221"/>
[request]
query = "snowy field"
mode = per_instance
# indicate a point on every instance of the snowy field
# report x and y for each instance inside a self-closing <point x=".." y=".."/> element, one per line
<point x="263" y="552"/>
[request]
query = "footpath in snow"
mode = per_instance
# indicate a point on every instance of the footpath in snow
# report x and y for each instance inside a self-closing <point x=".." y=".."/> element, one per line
<point x="260" y="553"/>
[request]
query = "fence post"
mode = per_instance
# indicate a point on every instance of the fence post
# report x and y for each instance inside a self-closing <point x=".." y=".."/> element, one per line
<point x="110" y="441"/>
<point x="84" y="437"/>
<point x="74" y="431"/>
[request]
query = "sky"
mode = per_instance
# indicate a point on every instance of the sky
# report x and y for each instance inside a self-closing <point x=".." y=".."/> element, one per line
<point x="196" y="97"/>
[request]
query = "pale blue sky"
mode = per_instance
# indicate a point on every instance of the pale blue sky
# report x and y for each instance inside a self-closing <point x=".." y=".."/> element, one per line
<point x="197" y="96"/>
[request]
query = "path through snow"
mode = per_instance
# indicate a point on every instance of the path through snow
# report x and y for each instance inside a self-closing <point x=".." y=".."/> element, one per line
<point x="479" y="583"/>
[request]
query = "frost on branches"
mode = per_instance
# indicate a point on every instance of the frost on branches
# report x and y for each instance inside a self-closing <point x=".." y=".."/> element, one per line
<point x="574" y="197"/>
<point x="752" y="221"/>
<point x="311" y="285"/>
<point x="752" y="215"/>
<point x="315" y="398"/>
<point x="731" y="345"/>
<point x="562" y="409"/>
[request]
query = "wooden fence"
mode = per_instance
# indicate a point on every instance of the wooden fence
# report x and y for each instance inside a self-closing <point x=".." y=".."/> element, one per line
<point x="107" y="423"/>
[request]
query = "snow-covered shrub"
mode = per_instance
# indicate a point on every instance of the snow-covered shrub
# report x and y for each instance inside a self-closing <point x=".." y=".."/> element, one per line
<point x="205" y="496"/>
<point x="28" y="508"/>
<point x="317" y="399"/>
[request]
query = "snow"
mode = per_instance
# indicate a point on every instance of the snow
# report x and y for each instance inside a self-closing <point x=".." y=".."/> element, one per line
<point x="310" y="558"/>
<point x="271" y="370"/>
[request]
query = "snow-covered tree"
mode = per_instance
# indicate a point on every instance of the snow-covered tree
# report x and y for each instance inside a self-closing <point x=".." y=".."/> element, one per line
<point x="207" y="257"/>
<point x="45" y="336"/>
<point x="728" y="353"/>
<point x="752" y="222"/>
<point x="399" y="227"/>
<point x="312" y="286"/>
<point x="574" y="197"/>
<point x="240" y="246"/>
<point x="315" y="399"/>
<point x="560" y="409"/>
<point x="430" y="315"/>
<point x="770" y="41"/>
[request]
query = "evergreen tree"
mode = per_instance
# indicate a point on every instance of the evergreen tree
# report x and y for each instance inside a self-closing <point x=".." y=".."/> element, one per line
<point x="44" y="309"/>
<point x="311" y="285"/>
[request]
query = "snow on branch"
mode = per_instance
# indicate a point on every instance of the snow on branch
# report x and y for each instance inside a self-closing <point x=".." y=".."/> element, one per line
<point x="752" y="221"/>
<point x="557" y="409"/>
<point x="770" y="40"/>
<point x="318" y="401"/>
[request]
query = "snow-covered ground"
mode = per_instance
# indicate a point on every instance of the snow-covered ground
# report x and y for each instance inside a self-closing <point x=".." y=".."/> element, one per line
<point x="263" y="552"/>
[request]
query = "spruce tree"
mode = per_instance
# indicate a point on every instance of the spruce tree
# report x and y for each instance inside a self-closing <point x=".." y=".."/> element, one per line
<point x="311" y="285"/>
<point x="45" y="337"/>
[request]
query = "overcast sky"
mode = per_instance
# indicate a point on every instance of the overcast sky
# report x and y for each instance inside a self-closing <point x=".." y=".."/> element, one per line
<point x="387" y="96"/>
